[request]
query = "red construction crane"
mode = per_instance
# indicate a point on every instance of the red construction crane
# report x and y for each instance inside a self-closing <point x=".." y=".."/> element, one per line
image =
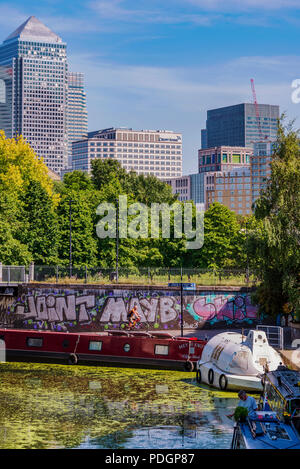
<point x="256" y="109"/>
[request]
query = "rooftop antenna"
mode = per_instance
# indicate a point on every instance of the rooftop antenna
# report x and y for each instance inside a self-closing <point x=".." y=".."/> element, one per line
<point x="256" y="109"/>
<point x="262" y="138"/>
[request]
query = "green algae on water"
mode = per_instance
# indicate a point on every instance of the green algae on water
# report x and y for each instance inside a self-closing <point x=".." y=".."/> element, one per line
<point x="59" y="406"/>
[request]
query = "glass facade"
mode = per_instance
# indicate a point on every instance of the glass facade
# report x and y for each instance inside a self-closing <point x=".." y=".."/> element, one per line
<point x="203" y="138"/>
<point x="77" y="121"/>
<point x="34" y="91"/>
<point x="238" y="125"/>
<point x="197" y="188"/>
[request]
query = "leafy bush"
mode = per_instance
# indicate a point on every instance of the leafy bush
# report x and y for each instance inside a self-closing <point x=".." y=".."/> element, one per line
<point x="240" y="414"/>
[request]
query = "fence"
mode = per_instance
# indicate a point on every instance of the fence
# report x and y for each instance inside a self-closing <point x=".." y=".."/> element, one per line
<point x="125" y="275"/>
<point x="11" y="274"/>
<point x="274" y="335"/>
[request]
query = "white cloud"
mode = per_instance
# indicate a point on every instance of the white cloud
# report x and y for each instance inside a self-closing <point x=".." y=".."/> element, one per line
<point x="64" y="24"/>
<point x="178" y="97"/>
<point x="243" y="5"/>
<point x="116" y="10"/>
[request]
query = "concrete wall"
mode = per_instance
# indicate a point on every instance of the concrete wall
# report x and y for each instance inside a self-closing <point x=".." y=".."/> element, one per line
<point x="95" y="307"/>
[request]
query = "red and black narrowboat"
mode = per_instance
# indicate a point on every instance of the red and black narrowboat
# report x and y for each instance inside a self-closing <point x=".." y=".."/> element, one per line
<point x="154" y="349"/>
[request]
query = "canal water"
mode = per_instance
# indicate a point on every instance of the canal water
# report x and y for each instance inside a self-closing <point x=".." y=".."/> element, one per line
<point x="59" y="406"/>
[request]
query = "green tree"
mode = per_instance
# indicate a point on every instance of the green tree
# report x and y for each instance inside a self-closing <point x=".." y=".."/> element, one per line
<point x="107" y="172"/>
<point x="149" y="189"/>
<point x="21" y="172"/>
<point x="84" y="242"/>
<point x="12" y="251"/>
<point x="274" y="246"/>
<point x="223" y="240"/>
<point x="78" y="180"/>
<point x="39" y="224"/>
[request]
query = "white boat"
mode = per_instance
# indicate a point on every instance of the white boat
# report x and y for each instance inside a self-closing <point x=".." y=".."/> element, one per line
<point x="231" y="361"/>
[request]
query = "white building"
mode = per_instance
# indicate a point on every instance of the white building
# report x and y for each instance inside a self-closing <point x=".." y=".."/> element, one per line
<point x="157" y="152"/>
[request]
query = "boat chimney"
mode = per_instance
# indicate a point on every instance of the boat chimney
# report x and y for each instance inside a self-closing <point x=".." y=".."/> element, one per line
<point x="279" y="380"/>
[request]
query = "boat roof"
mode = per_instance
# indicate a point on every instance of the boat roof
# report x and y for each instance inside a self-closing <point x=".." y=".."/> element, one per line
<point x="286" y="381"/>
<point x="112" y="332"/>
<point x="267" y="432"/>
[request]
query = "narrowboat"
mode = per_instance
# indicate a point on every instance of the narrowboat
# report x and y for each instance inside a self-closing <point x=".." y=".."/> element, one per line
<point x="231" y="361"/>
<point x="154" y="349"/>
<point x="277" y="425"/>
<point x="265" y="431"/>
<point x="281" y="394"/>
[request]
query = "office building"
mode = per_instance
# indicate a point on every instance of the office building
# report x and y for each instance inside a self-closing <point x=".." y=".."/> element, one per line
<point x="181" y="186"/>
<point x="232" y="165"/>
<point x="189" y="188"/>
<point x="204" y="138"/>
<point x="157" y="152"/>
<point x="34" y="92"/>
<point x="223" y="158"/>
<point x="239" y="125"/>
<point x="77" y="120"/>
<point x="230" y="188"/>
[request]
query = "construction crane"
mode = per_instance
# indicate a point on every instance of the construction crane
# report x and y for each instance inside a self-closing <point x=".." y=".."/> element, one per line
<point x="256" y="110"/>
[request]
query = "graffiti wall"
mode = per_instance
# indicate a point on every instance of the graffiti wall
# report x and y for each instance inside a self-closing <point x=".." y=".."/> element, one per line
<point x="64" y="309"/>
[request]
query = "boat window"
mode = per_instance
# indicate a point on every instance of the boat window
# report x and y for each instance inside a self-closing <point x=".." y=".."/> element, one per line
<point x="274" y="399"/>
<point x="161" y="350"/>
<point x="126" y="348"/>
<point x="34" y="342"/>
<point x="295" y="407"/>
<point x="65" y="343"/>
<point x="95" y="345"/>
<point x="278" y="432"/>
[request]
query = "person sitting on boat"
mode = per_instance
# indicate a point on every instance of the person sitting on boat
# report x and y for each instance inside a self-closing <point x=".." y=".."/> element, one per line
<point x="133" y="317"/>
<point x="248" y="402"/>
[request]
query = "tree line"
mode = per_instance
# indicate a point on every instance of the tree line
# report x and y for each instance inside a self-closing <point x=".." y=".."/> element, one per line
<point x="35" y="224"/>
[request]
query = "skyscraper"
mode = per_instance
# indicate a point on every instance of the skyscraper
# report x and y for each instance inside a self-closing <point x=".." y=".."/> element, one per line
<point x="77" y="122"/>
<point x="34" y="91"/>
<point x="239" y="125"/>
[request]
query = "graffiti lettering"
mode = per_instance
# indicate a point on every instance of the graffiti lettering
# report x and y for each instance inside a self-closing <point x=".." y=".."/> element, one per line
<point x="57" y="309"/>
<point x="101" y="309"/>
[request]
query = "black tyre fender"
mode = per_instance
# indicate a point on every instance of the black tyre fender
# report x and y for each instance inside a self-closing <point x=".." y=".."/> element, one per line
<point x="189" y="366"/>
<point x="223" y="379"/>
<point x="198" y="376"/>
<point x="73" y="359"/>
<point x="211" y="376"/>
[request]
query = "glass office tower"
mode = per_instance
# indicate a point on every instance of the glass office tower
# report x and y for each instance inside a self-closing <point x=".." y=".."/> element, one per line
<point x="238" y="125"/>
<point x="77" y="121"/>
<point x="34" y="90"/>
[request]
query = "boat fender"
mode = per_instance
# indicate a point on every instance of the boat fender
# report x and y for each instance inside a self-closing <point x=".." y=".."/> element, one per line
<point x="211" y="376"/>
<point x="189" y="366"/>
<point x="223" y="382"/>
<point x="73" y="359"/>
<point x="198" y="376"/>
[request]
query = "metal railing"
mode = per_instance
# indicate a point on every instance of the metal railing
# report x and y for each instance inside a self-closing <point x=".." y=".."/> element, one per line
<point x="12" y="274"/>
<point x="125" y="275"/>
<point x="274" y="335"/>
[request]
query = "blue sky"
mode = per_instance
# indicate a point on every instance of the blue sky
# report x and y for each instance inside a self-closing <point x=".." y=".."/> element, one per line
<point x="161" y="65"/>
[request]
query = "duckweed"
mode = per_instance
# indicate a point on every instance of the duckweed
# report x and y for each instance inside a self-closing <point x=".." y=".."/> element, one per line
<point x="59" y="406"/>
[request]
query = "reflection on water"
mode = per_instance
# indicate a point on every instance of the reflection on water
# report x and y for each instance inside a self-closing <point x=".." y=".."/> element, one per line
<point x="57" y="406"/>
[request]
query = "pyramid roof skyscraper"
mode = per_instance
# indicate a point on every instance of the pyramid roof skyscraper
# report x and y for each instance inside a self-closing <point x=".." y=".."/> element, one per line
<point x="34" y="29"/>
<point x="39" y="98"/>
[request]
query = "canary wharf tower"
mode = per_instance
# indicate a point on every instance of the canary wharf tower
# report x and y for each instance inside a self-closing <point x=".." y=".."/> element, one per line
<point x="34" y="90"/>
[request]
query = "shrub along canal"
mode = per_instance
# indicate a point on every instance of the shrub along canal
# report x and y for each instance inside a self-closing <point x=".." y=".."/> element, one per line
<point x="59" y="406"/>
